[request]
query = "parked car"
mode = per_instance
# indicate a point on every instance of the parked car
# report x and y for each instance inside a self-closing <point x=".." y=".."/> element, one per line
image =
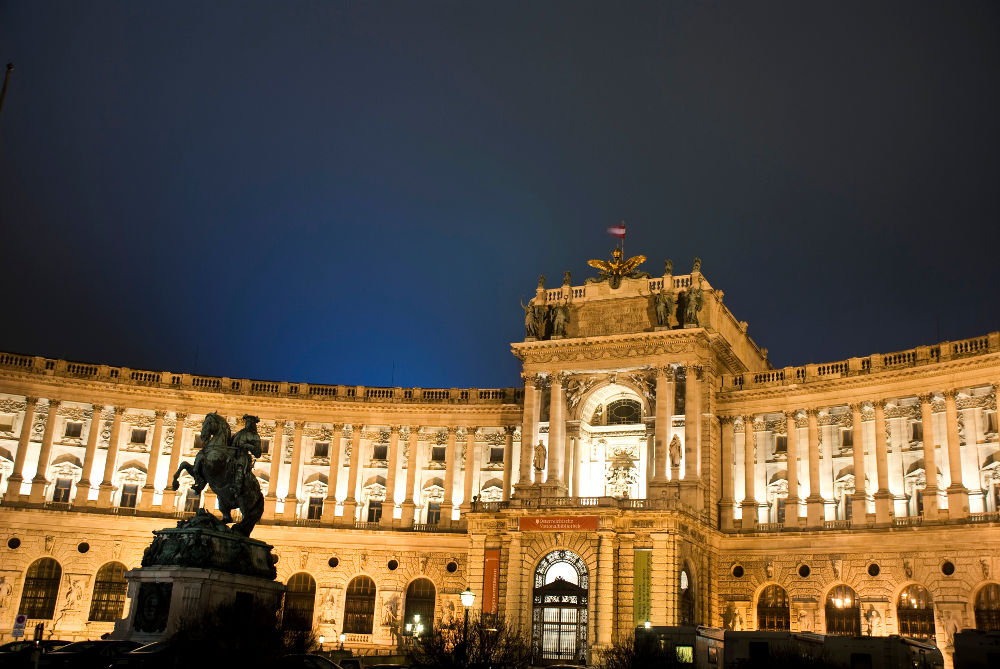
<point x="305" y="661"/>
<point x="156" y="655"/>
<point x="351" y="663"/>
<point x="18" y="654"/>
<point x="87" y="654"/>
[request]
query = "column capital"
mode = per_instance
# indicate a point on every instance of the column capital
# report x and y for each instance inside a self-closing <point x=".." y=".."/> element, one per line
<point x="856" y="407"/>
<point x="470" y="432"/>
<point x="558" y="378"/>
<point x="748" y="421"/>
<point x="181" y="416"/>
<point x="356" y="429"/>
<point x="120" y="411"/>
<point x="415" y="430"/>
<point x="30" y="400"/>
<point x="666" y="372"/>
<point x="926" y="398"/>
<point x="160" y="414"/>
<point x="394" y="429"/>
<point x="727" y="420"/>
<point x="54" y="404"/>
<point x="97" y="410"/>
<point x="878" y="404"/>
<point x="812" y="412"/>
<point x="694" y="369"/>
<point x="790" y="414"/>
<point x="951" y="394"/>
<point x="510" y="429"/>
<point x="452" y="430"/>
<point x="338" y="427"/>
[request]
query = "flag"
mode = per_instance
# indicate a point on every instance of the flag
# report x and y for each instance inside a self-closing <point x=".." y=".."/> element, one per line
<point x="617" y="230"/>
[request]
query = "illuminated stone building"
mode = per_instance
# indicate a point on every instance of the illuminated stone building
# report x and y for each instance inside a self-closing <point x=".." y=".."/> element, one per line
<point x="680" y="478"/>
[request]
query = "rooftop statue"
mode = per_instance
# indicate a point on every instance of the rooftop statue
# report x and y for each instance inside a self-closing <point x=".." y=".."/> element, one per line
<point x="225" y="463"/>
<point x="616" y="269"/>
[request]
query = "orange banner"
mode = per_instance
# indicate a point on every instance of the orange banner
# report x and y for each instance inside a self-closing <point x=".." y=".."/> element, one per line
<point x="556" y="523"/>
<point x="491" y="581"/>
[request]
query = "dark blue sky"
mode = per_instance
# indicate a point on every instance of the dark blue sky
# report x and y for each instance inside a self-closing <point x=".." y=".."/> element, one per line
<point x="321" y="190"/>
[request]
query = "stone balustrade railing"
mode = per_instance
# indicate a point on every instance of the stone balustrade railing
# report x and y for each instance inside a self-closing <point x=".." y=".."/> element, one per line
<point x="125" y="376"/>
<point x="921" y="355"/>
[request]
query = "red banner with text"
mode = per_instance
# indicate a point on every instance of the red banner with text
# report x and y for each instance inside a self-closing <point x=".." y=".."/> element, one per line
<point x="491" y="581"/>
<point x="556" y="523"/>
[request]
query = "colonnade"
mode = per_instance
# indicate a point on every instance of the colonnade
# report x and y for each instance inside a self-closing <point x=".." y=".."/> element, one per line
<point x="417" y="460"/>
<point x="957" y="492"/>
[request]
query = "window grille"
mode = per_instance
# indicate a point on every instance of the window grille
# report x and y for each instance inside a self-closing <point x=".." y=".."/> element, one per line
<point x="300" y="597"/>
<point x="359" y="607"/>
<point x="41" y="585"/>
<point x="108" y="602"/>
<point x="843" y="612"/>
<point x="772" y="609"/>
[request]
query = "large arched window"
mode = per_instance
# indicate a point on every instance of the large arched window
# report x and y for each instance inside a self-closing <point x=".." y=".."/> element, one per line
<point x="420" y="602"/>
<point x="988" y="608"/>
<point x="624" y="412"/>
<point x="300" y="597"/>
<point x="772" y="609"/>
<point x="359" y="608"/>
<point x="41" y="585"/>
<point x="915" y="610"/>
<point x="110" y="586"/>
<point x="843" y="611"/>
<point x="686" y="608"/>
<point x="559" y="613"/>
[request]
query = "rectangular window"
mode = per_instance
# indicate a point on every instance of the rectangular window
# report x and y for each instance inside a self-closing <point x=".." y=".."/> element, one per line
<point x="61" y="491"/>
<point x="192" y="501"/>
<point x="433" y="513"/>
<point x="315" y="508"/>
<point x="437" y="453"/>
<point x="321" y="449"/>
<point x="780" y="444"/>
<point x="848" y="507"/>
<point x="73" y="430"/>
<point x="916" y="431"/>
<point x="379" y="452"/>
<point x="6" y="423"/>
<point x="130" y="493"/>
<point x="989" y="418"/>
<point x="265" y="446"/>
<point x="197" y="442"/>
<point x="374" y="511"/>
<point x="847" y="438"/>
<point x="138" y="436"/>
<point x="781" y="510"/>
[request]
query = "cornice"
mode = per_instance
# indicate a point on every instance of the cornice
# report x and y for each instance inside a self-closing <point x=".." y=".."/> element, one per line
<point x="612" y="347"/>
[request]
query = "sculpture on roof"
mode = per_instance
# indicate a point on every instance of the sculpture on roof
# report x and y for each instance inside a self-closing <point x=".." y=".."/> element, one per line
<point x="560" y="318"/>
<point x="530" y="322"/>
<point x="664" y="301"/>
<point x="616" y="269"/>
<point x="692" y="304"/>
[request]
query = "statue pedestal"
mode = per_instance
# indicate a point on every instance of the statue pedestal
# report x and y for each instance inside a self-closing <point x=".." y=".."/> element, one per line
<point x="189" y="570"/>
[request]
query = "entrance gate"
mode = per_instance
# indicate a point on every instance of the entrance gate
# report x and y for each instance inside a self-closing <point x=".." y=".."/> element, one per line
<point x="559" y="613"/>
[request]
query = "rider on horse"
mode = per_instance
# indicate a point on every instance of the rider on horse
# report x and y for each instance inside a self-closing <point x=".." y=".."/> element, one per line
<point x="246" y="443"/>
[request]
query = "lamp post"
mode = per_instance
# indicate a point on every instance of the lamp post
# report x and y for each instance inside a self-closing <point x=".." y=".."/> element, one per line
<point x="468" y="599"/>
<point x="342" y="637"/>
<point x="321" y="640"/>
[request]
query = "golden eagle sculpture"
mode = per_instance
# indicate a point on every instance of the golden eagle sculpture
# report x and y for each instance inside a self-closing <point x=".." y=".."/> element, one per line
<point x="614" y="271"/>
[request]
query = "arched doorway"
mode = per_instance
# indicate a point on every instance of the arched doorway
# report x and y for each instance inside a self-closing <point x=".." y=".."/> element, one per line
<point x="772" y="609"/>
<point x="915" y="610"/>
<point x="300" y="597"/>
<point x="686" y="600"/>
<point x="420" y="597"/>
<point x="559" y="614"/>
<point x="359" y="606"/>
<point x="41" y="585"/>
<point x="843" y="611"/>
<point x="987" y="608"/>
<point x="108" y="601"/>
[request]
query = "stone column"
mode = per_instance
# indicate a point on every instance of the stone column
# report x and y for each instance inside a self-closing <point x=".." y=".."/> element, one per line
<point x="291" y="509"/>
<point x="333" y="474"/>
<point x="883" y="497"/>
<point x="106" y="490"/>
<point x="728" y="471"/>
<point x="390" y="476"/>
<point x="749" y="505"/>
<point x="605" y="587"/>
<point x="412" y="468"/>
<point x="692" y="417"/>
<point x="508" y="458"/>
<point x="512" y="599"/>
<point x="23" y="442"/>
<point x="148" y="490"/>
<point x="529" y="433"/>
<point x="470" y="465"/>
<point x="792" y="451"/>
<point x="169" y="501"/>
<point x="83" y="485"/>
<point x="930" y="457"/>
<point x="659" y="578"/>
<point x="859" y="502"/>
<point x="814" y="502"/>
<point x="277" y="455"/>
<point x="557" y="435"/>
<point x="958" y="494"/>
<point x="664" y="419"/>
<point x="351" y="502"/>
<point x="448" y="505"/>
<point x="39" y="481"/>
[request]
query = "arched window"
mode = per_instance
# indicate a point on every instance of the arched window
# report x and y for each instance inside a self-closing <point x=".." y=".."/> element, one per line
<point x="300" y="596"/>
<point x="359" y="609"/>
<point x="915" y="610"/>
<point x="41" y="585"/>
<point x="772" y="609"/>
<point x="420" y="602"/>
<point x="559" y="613"/>
<point x="110" y="586"/>
<point x="686" y="599"/>
<point x="988" y="608"/>
<point x="624" y="412"/>
<point x="843" y="612"/>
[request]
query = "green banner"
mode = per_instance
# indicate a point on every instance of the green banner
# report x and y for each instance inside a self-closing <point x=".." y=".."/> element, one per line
<point x="641" y="586"/>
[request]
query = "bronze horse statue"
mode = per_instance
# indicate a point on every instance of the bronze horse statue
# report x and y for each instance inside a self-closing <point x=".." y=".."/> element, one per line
<point x="224" y="462"/>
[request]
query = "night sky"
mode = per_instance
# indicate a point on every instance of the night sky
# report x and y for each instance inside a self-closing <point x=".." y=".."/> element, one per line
<point x="361" y="192"/>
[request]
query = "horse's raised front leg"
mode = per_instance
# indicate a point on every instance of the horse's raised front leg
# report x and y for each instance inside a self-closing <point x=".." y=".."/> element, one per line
<point x="185" y="467"/>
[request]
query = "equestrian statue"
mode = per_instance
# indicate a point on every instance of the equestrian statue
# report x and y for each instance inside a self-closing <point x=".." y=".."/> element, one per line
<point x="225" y="462"/>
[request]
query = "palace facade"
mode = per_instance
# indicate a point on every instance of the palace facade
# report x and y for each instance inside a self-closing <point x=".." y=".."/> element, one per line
<point x="653" y="467"/>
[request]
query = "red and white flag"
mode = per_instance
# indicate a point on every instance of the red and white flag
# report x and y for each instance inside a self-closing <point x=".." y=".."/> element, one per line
<point x="617" y="230"/>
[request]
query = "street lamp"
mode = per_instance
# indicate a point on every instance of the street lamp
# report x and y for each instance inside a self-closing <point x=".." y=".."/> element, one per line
<point x="321" y="640"/>
<point x="468" y="599"/>
<point x="342" y="637"/>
